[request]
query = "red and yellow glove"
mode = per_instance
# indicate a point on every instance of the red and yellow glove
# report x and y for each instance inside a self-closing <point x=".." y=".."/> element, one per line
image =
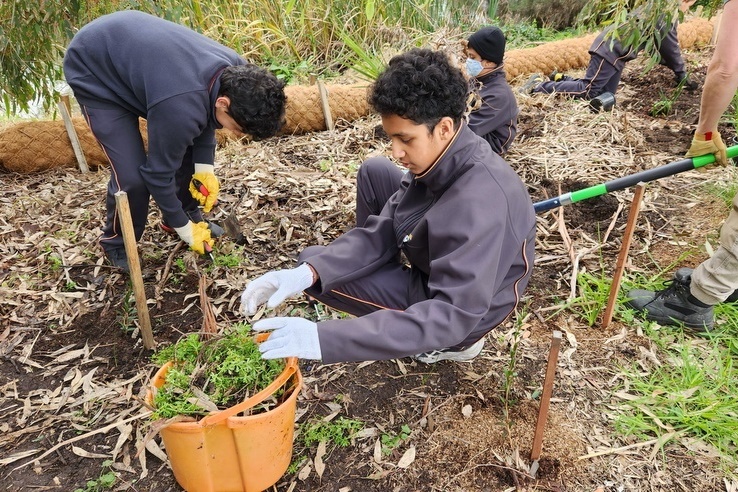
<point x="196" y="235"/>
<point x="709" y="143"/>
<point x="204" y="186"/>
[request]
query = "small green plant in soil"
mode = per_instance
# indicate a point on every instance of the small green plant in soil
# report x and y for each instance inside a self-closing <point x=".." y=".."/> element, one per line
<point x="104" y="482"/>
<point x="219" y="372"/>
<point x="391" y="441"/>
<point x="126" y="318"/>
<point x="664" y="105"/>
<point x="339" y="432"/>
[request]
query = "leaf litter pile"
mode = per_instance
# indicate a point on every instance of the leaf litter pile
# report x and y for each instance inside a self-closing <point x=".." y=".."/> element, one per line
<point x="74" y="370"/>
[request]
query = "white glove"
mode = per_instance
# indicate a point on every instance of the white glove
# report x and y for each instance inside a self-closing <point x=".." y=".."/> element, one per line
<point x="292" y="337"/>
<point x="275" y="286"/>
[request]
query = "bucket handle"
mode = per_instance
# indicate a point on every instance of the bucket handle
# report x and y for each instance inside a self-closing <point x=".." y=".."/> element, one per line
<point x="279" y="381"/>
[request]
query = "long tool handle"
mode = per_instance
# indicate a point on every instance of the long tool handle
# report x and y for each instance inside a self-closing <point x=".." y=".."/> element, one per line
<point x="670" y="169"/>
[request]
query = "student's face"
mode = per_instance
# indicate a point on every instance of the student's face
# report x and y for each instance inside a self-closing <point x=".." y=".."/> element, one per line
<point x="413" y="146"/>
<point x="488" y="65"/>
<point x="224" y="119"/>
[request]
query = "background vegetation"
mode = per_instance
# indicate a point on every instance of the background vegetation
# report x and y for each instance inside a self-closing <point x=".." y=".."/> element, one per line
<point x="294" y="39"/>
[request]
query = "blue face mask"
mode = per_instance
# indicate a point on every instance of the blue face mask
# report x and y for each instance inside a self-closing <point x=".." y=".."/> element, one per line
<point x="473" y="67"/>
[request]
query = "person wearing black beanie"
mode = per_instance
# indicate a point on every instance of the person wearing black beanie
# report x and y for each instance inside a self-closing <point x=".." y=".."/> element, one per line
<point x="496" y="117"/>
<point x="489" y="43"/>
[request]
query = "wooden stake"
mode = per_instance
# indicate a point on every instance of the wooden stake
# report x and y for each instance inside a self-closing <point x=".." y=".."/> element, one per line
<point x="72" y="133"/>
<point x="617" y="276"/>
<point x="326" y="107"/>
<point x="553" y="356"/>
<point x="129" y="239"/>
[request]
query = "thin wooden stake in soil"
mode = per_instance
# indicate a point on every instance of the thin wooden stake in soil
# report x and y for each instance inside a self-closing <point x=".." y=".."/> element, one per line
<point x="553" y="357"/>
<point x="64" y="110"/>
<point x="209" y="326"/>
<point x="324" y="104"/>
<point x="635" y="208"/>
<point x="129" y="239"/>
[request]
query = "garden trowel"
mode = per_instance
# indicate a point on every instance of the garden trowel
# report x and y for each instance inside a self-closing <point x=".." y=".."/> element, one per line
<point x="230" y="223"/>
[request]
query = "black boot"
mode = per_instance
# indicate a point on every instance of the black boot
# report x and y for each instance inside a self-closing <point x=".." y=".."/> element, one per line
<point x="673" y="305"/>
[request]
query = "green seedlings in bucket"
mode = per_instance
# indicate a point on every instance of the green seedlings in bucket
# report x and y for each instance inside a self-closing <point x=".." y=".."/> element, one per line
<point x="219" y="372"/>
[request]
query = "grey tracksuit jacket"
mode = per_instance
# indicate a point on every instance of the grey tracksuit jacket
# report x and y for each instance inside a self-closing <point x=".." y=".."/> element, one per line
<point x="160" y="71"/>
<point x="466" y="227"/>
<point x="496" y="120"/>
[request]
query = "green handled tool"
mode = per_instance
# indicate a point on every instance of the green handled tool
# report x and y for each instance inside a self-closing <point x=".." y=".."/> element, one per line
<point x="659" y="172"/>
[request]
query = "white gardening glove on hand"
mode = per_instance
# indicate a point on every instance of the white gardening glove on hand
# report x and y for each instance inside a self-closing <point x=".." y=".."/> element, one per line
<point x="275" y="287"/>
<point x="292" y="337"/>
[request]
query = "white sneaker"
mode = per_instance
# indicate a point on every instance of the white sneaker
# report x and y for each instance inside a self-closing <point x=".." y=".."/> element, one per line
<point x="457" y="355"/>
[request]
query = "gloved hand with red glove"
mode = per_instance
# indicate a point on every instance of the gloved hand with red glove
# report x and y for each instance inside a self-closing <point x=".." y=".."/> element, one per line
<point x="204" y="186"/>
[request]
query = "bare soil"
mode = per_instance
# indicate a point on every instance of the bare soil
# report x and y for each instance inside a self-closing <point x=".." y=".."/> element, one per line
<point x="74" y="370"/>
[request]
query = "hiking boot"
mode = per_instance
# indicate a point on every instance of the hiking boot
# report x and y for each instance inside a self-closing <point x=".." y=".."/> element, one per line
<point x="687" y="272"/>
<point x="532" y="83"/>
<point x="459" y="355"/>
<point x="118" y="258"/>
<point x="215" y="230"/>
<point x="673" y="305"/>
<point x="557" y="76"/>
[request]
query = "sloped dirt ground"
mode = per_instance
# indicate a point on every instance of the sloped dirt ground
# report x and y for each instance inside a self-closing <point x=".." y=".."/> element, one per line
<point x="74" y="370"/>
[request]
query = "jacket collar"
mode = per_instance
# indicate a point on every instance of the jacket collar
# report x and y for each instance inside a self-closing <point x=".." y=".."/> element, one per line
<point x="452" y="161"/>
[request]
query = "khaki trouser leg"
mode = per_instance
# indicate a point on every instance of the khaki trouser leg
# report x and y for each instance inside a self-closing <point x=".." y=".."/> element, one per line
<point x="715" y="279"/>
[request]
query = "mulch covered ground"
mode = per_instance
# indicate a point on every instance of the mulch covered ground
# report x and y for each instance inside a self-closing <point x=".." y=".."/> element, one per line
<point x="74" y="370"/>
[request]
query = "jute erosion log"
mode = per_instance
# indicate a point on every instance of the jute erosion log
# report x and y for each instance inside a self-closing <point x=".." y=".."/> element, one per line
<point x="34" y="146"/>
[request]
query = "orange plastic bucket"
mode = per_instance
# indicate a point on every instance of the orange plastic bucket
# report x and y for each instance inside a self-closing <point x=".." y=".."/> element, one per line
<point x="226" y="453"/>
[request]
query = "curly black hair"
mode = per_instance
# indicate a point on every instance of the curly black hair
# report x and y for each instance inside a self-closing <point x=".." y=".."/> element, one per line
<point x="423" y="86"/>
<point x="257" y="99"/>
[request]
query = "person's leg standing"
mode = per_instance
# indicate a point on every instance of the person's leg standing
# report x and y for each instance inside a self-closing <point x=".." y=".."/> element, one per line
<point x="118" y="133"/>
<point x="716" y="279"/>
<point x="378" y="179"/>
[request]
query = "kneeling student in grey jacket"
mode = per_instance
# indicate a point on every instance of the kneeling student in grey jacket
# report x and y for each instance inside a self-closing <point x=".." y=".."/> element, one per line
<point x="429" y="271"/>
